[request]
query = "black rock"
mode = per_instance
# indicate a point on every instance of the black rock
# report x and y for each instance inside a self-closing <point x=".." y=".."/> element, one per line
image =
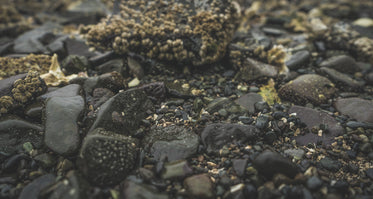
<point x="329" y="164"/>
<point x="32" y="190"/>
<point x="73" y="64"/>
<point x="239" y="166"/>
<point x="265" y="162"/>
<point x="369" y="173"/>
<point x="248" y="101"/>
<point x="70" y="90"/>
<point x="356" y="108"/>
<point x="341" y="63"/>
<point x="298" y="60"/>
<point x="139" y="191"/>
<point x="110" y="66"/>
<point x="343" y="81"/>
<point x="262" y="122"/>
<point x="314" y="183"/>
<point x="215" y="136"/>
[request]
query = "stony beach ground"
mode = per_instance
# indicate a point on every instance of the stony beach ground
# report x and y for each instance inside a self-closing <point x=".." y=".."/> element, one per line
<point x="186" y="99"/>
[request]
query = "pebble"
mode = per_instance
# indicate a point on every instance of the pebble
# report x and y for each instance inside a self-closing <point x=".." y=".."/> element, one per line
<point x="342" y="63"/>
<point x="239" y="166"/>
<point x="107" y="157"/>
<point x="177" y="169"/>
<point x="295" y="153"/>
<point x="74" y="64"/>
<point x="266" y="160"/>
<point x="61" y="125"/>
<point x="369" y="173"/>
<point x="32" y="190"/>
<point x="123" y="113"/>
<point x="342" y="80"/>
<point x="215" y="136"/>
<point x="262" y="122"/>
<point x="110" y="66"/>
<point x="314" y="183"/>
<point x="298" y="60"/>
<point x="330" y="164"/>
<point x="308" y="88"/>
<point x="248" y="101"/>
<point x="356" y="108"/>
<point x="173" y="142"/>
<point x="253" y="70"/>
<point x="313" y="118"/>
<point x="134" y="190"/>
<point x="199" y="186"/>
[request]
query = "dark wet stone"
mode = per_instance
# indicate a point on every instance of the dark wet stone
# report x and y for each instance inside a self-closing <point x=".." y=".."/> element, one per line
<point x="101" y="58"/>
<point x="308" y="88"/>
<point x="199" y="186"/>
<point x="77" y="47"/>
<point x="6" y="85"/>
<point x="113" y="81"/>
<point x="248" y="101"/>
<point x="73" y="186"/>
<point x="73" y="64"/>
<point x="356" y="108"/>
<point x="262" y="121"/>
<point x="32" y="190"/>
<point x="330" y="164"/>
<point x="342" y="63"/>
<point x="261" y="106"/>
<point x="365" y="148"/>
<point x="314" y="183"/>
<point x="100" y="96"/>
<point x="269" y="137"/>
<point x="253" y="70"/>
<point x="107" y="157"/>
<point x="85" y="12"/>
<point x="224" y="103"/>
<point x="343" y="81"/>
<point x="32" y="41"/>
<point x="123" y="113"/>
<point x="246" y="120"/>
<point x="13" y="163"/>
<point x="70" y="90"/>
<point x="174" y="142"/>
<point x="57" y="46"/>
<point x="110" y="66"/>
<point x="139" y="191"/>
<point x="176" y="169"/>
<point x="15" y="132"/>
<point x="355" y="125"/>
<point x="369" y="173"/>
<point x="215" y="136"/>
<point x="35" y="111"/>
<point x="239" y="166"/>
<point x="265" y="162"/>
<point x="313" y="118"/>
<point x="61" y="125"/>
<point x="298" y="60"/>
<point x="45" y="160"/>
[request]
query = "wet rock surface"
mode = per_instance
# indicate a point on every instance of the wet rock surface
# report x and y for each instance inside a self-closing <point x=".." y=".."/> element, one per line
<point x="186" y="99"/>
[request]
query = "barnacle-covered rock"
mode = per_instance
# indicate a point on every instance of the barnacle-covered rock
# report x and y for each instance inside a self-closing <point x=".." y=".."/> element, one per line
<point x="195" y="32"/>
<point x="11" y="21"/>
<point x="27" y="89"/>
<point x="13" y="66"/>
<point x="107" y="158"/>
<point x="6" y="102"/>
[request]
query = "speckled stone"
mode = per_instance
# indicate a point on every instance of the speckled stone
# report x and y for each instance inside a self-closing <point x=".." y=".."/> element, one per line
<point x="107" y="157"/>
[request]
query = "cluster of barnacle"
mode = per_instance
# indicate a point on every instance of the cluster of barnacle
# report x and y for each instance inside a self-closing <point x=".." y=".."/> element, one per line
<point x="11" y="21"/>
<point x="168" y="31"/>
<point x="14" y="66"/>
<point x="24" y="90"/>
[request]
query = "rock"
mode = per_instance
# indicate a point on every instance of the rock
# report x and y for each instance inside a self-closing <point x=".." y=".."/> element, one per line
<point x="6" y="85"/>
<point x="74" y="186"/>
<point x="308" y="88"/>
<point x="123" y="113"/>
<point x="248" y="101"/>
<point x="110" y="66"/>
<point x="45" y="160"/>
<point x="107" y="157"/>
<point x="298" y="60"/>
<point x="355" y="125"/>
<point x="199" y="186"/>
<point x="176" y="169"/>
<point x="262" y="122"/>
<point x="369" y="173"/>
<point x="215" y="136"/>
<point x="34" y="40"/>
<point x="269" y="163"/>
<point x="239" y="166"/>
<point x="174" y="142"/>
<point x="313" y="118"/>
<point x="57" y="46"/>
<point x="73" y="64"/>
<point x="314" y="183"/>
<point x="140" y="191"/>
<point x="70" y="90"/>
<point x="32" y="190"/>
<point x="356" y="108"/>
<point x="100" y="96"/>
<point x="15" y="132"/>
<point x="35" y="111"/>
<point x="77" y="47"/>
<point x="224" y="103"/>
<point x="331" y="165"/>
<point x="343" y="81"/>
<point x="85" y="12"/>
<point x="252" y="70"/>
<point x="342" y="63"/>
<point x="61" y="125"/>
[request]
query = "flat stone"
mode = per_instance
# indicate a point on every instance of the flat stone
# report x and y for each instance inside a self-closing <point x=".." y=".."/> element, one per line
<point x="15" y="132"/>
<point x="269" y="163"/>
<point x="77" y="47"/>
<point x="61" y="125"/>
<point x="123" y="113"/>
<point x="330" y="164"/>
<point x="176" y="170"/>
<point x="199" y="186"/>
<point x="295" y="153"/>
<point x="252" y="70"/>
<point x="248" y="101"/>
<point x="107" y="157"/>
<point x="174" y="142"/>
<point x="356" y="108"/>
<point x="298" y="60"/>
<point x="6" y="85"/>
<point x="70" y="90"/>
<point x="112" y="65"/>
<point x="32" y="190"/>
<point x="342" y="63"/>
<point x="215" y="136"/>
<point x="140" y="191"/>
<point x="313" y="118"/>
<point x="224" y="103"/>
<point x="239" y="166"/>
<point x="308" y="88"/>
<point x="342" y="80"/>
<point x="314" y="183"/>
